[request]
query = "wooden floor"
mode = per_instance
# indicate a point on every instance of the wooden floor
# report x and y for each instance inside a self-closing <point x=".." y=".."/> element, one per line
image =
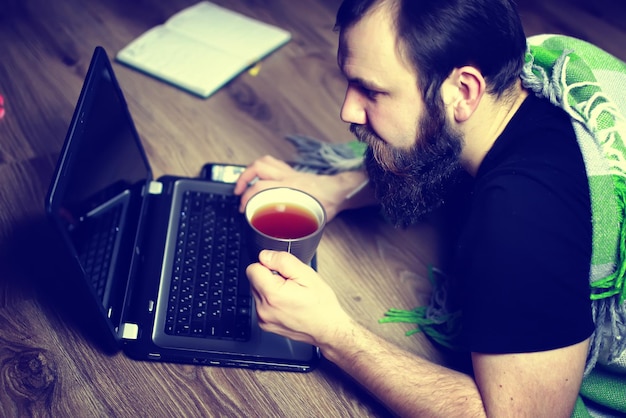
<point x="47" y="366"/>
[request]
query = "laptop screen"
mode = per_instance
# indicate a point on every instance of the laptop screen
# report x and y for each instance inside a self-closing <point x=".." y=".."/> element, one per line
<point x="97" y="193"/>
<point x="106" y="160"/>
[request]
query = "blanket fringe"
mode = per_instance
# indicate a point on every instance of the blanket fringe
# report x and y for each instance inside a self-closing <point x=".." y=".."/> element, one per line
<point x="326" y="158"/>
<point x="436" y="320"/>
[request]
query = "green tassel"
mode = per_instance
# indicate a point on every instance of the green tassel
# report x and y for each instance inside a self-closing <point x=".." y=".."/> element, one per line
<point x="443" y="329"/>
<point x="358" y="148"/>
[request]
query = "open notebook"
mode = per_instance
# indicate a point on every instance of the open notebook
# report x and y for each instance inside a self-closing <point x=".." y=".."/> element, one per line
<point x="162" y="262"/>
<point x="202" y="47"/>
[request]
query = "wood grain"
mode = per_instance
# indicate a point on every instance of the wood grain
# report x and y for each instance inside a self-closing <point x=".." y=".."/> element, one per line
<point x="50" y="367"/>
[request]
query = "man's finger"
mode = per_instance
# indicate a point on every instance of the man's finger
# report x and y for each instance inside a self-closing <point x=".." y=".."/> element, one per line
<point x="248" y="175"/>
<point x="262" y="279"/>
<point x="287" y="265"/>
<point x="266" y="168"/>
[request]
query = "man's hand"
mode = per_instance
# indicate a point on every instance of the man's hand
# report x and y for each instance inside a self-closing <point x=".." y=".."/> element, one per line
<point x="330" y="190"/>
<point x="292" y="299"/>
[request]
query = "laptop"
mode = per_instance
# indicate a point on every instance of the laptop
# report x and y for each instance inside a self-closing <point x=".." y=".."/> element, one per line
<point x="159" y="264"/>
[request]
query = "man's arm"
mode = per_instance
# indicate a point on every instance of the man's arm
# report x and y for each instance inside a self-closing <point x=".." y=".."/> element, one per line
<point x="407" y="384"/>
<point x="543" y="384"/>
<point x="300" y="305"/>
<point x="538" y="384"/>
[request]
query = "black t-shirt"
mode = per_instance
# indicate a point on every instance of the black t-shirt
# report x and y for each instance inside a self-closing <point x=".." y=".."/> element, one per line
<point x="523" y="258"/>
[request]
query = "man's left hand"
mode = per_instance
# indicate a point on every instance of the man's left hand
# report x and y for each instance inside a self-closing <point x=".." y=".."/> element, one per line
<point x="293" y="300"/>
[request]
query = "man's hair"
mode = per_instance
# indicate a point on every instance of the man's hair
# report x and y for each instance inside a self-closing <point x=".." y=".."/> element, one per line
<point x="436" y="36"/>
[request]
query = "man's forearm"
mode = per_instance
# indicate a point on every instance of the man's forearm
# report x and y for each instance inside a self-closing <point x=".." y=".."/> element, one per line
<point x="408" y="384"/>
<point x="355" y="189"/>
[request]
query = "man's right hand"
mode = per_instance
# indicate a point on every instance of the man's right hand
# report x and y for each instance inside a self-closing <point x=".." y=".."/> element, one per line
<point x="330" y="190"/>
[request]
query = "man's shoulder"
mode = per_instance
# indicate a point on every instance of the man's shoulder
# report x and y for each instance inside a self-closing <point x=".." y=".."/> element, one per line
<point x="538" y="117"/>
<point x="539" y="137"/>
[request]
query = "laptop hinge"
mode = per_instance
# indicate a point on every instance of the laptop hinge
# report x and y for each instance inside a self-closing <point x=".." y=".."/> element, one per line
<point x="155" y="187"/>
<point x="129" y="331"/>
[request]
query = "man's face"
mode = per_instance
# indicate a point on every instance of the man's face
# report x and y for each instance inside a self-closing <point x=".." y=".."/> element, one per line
<point x="413" y="153"/>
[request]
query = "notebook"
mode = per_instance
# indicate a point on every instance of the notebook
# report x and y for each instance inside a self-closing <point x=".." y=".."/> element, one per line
<point x="141" y="251"/>
<point x="202" y="47"/>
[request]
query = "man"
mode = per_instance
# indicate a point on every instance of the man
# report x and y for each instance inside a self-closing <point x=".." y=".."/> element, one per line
<point x="431" y="100"/>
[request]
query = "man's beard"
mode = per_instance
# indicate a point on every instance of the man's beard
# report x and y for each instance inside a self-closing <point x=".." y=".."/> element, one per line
<point x="410" y="184"/>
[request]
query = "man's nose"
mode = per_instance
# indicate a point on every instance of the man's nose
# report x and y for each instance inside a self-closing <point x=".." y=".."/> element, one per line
<point x="352" y="110"/>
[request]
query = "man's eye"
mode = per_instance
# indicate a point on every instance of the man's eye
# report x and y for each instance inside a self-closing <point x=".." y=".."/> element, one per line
<point x="371" y="94"/>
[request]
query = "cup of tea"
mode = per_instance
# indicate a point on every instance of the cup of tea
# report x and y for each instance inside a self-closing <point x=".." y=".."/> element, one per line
<point x="286" y="219"/>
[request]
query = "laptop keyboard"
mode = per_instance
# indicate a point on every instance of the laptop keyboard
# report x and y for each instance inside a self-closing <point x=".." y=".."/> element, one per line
<point x="207" y="299"/>
<point x="97" y="252"/>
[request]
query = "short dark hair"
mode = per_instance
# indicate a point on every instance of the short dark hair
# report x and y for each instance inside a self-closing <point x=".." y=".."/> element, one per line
<point x="437" y="36"/>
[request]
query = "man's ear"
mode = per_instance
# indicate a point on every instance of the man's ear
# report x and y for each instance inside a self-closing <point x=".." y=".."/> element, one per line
<point x="465" y="88"/>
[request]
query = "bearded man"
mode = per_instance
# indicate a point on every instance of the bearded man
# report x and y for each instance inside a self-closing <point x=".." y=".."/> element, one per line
<point x="432" y="103"/>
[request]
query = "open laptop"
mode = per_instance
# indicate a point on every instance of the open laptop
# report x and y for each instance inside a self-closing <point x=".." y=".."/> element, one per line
<point x="157" y="288"/>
